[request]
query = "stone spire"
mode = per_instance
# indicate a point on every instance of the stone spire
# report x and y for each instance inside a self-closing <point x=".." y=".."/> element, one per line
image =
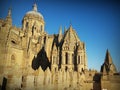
<point x="104" y="70"/>
<point x="108" y="64"/>
<point x="70" y="27"/>
<point x="60" y="30"/>
<point x="65" y="30"/>
<point x="60" y="34"/>
<point x="8" y="18"/>
<point x="35" y="7"/>
<point x="108" y="58"/>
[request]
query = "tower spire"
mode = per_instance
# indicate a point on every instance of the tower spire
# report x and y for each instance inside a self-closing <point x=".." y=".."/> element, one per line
<point x="108" y="58"/>
<point x="60" y="34"/>
<point x="8" y="18"/>
<point x="108" y="64"/>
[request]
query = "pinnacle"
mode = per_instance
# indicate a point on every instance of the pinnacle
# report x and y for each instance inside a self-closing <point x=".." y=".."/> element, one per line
<point x="108" y="58"/>
<point x="34" y="7"/>
<point x="60" y="30"/>
<point x="9" y="12"/>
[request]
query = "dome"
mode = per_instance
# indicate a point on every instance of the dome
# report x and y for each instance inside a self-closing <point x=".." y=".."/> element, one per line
<point x="34" y="12"/>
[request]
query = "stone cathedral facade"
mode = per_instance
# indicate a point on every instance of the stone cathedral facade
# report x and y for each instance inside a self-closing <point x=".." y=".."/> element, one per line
<point x="30" y="59"/>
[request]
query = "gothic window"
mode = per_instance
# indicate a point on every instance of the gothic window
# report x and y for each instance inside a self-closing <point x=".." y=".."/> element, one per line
<point x="73" y="58"/>
<point x="12" y="59"/>
<point x="41" y="27"/>
<point x="26" y="24"/>
<point x="81" y="60"/>
<point x="44" y="39"/>
<point x="78" y="59"/>
<point x="66" y="68"/>
<point x="22" y="79"/>
<point x="66" y="58"/>
<point x="32" y="30"/>
<point x="66" y="48"/>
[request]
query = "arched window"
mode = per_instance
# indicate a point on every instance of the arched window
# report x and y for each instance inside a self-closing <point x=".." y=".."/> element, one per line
<point x="66" y="58"/>
<point x="78" y="59"/>
<point x="41" y="28"/>
<point x="12" y="59"/>
<point x="82" y="60"/>
<point x="73" y="59"/>
<point x="26" y="24"/>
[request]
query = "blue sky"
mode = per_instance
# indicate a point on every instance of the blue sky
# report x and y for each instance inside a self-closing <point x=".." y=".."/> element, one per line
<point x="97" y="23"/>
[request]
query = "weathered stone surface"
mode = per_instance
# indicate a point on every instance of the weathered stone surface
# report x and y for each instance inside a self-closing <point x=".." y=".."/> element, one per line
<point x="30" y="59"/>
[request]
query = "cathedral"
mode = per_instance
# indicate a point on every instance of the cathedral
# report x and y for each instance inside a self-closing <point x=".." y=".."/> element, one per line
<point x="30" y="59"/>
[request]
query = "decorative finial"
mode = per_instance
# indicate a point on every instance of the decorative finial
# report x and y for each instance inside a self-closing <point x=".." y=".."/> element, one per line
<point x="9" y="12"/>
<point x="60" y="30"/>
<point x="35" y="7"/>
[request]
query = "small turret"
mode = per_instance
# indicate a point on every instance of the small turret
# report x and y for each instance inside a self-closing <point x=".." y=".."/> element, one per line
<point x="60" y="31"/>
<point x="8" y="18"/>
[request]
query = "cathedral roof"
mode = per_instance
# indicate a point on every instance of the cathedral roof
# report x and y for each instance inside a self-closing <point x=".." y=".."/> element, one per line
<point x="34" y="12"/>
<point x="71" y="34"/>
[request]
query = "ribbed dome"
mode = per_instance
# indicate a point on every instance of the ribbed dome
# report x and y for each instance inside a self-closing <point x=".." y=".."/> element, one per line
<point x="34" y="12"/>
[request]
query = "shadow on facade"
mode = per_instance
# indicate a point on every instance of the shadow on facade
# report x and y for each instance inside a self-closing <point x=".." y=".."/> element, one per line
<point x="97" y="82"/>
<point x="41" y="60"/>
